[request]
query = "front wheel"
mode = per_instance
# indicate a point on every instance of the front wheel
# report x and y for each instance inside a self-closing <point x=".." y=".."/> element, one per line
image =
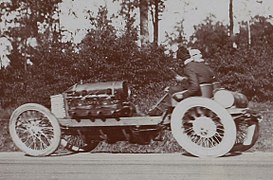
<point x="35" y="130"/>
<point x="203" y="127"/>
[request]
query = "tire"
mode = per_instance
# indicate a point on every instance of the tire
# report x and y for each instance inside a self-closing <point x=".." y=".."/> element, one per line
<point x="203" y="127"/>
<point x="242" y="127"/>
<point x="35" y="130"/>
<point x="77" y="142"/>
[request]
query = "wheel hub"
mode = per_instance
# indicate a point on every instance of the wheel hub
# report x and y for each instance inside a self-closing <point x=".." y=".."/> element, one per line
<point x="204" y="127"/>
<point x="33" y="127"/>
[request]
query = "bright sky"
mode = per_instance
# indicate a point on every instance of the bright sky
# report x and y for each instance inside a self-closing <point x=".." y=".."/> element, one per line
<point x="198" y="10"/>
<point x="193" y="13"/>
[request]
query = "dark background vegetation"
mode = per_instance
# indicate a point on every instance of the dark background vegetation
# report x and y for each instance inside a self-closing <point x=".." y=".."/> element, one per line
<point x="105" y="55"/>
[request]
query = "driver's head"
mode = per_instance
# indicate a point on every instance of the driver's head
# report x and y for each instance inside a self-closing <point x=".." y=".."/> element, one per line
<point x="182" y="53"/>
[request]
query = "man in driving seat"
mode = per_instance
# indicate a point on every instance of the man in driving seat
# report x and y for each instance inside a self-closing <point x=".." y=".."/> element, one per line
<point x="196" y="72"/>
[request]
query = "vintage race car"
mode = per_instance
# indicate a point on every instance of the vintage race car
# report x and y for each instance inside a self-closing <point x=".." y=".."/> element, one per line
<point x="213" y="125"/>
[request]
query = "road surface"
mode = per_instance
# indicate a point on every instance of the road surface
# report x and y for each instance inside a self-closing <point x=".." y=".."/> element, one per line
<point x="104" y="166"/>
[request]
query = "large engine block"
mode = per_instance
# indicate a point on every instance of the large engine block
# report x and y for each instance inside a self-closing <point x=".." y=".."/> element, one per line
<point x="98" y="100"/>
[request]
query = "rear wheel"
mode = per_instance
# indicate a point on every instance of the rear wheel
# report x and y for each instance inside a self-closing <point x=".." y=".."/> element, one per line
<point x="202" y="127"/>
<point x="35" y="130"/>
<point x="247" y="135"/>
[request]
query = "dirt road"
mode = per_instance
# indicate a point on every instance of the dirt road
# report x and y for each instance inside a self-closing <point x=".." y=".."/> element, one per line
<point x="100" y="166"/>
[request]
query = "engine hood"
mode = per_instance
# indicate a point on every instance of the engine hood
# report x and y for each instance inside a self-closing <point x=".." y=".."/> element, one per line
<point x="114" y="88"/>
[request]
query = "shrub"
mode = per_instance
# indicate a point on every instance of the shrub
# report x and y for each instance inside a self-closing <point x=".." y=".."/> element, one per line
<point x="248" y="70"/>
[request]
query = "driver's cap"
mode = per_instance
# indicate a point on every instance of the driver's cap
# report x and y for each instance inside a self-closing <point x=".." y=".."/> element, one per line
<point x="182" y="53"/>
<point x="194" y="52"/>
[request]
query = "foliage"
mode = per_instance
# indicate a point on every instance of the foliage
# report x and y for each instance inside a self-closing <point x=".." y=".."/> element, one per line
<point x="210" y="37"/>
<point x="102" y="56"/>
<point x="105" y="55"/>
<point x="262" y="31"/>
<point x="178" y="36"/>
<point x="247" y="68"/>
<point x="119" y="58"/>
<point x="30" y="23"/>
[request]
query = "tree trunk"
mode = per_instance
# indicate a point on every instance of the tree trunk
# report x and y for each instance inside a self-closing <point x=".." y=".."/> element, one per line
<point x="144" y="32"/>
<point x="156" y="25"/>
<point x="231" y="22"/>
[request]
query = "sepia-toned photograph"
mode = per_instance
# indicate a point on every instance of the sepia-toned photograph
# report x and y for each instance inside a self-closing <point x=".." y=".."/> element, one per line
<point x="136" y="89"/>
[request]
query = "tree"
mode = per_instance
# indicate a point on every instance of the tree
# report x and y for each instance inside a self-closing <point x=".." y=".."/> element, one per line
<point x="261" y="31"/>
<point x="144" y="28"/>
<point x="127" y="11"/>
<point x="34" y="21"/>
<point x="156" y="8"/>
<point x="127" y="7"/>
<point x="210" y="37"/>
<point x="178" y="36"/>
<point x="231" y="22"/>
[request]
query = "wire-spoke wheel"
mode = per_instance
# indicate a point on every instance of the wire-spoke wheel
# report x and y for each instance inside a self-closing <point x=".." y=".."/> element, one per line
<point x="203" y="127"/>
<point x="247" y="135"/>
<point x="35" y="130"/>
<point x="76" y="141"/>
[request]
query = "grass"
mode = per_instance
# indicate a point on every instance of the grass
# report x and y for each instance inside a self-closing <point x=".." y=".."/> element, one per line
<point x="168" y="145"/>
<point x="265" y="141"/>
<point x="6" y="143"/>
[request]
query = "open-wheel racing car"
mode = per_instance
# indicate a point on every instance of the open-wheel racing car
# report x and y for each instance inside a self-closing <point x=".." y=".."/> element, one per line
<point x="213" y="125"/>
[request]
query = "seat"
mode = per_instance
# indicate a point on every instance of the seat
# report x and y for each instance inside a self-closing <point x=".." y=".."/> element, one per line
<point x="206" y="90"/>
<point x="216" y="85"/>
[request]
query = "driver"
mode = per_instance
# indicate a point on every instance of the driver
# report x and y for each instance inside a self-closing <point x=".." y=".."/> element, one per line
<point x="196" y="72"/>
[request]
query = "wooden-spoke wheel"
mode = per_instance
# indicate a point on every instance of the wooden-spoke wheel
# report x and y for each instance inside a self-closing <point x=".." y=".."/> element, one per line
<point x="75" y="141"/>
<point x="247" y="134"/>
<point x="35" y="130"/>
<point x="203" y="127"/>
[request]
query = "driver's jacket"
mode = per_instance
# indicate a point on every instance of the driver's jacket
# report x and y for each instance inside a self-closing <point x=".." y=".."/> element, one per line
<point x="197" y="73"/>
